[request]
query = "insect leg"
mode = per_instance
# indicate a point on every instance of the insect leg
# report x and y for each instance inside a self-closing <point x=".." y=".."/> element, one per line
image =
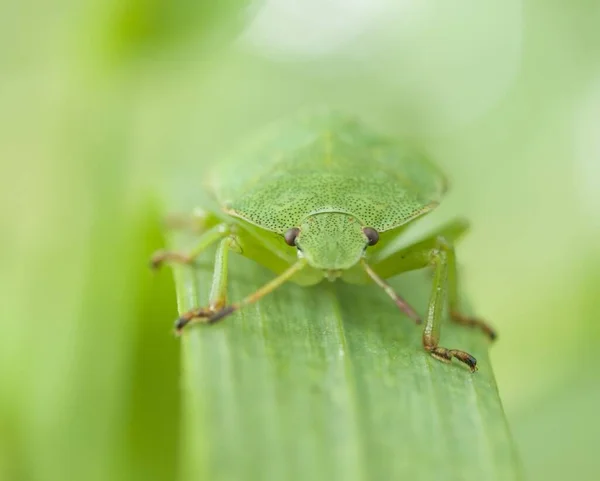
<point x="419" y="255"/>
<point x="211" y="236"/>
<point x="209" y="317"/>
<point x="218" y="290"/>
<point x="196" y="222"/>
<point x="433" y="321"/>
<point x="454" y="299"/>
<point x="400" y="302"/>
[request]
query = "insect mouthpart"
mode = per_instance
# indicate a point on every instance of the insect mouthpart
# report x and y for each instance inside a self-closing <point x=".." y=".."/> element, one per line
<point x="332" y="274"/>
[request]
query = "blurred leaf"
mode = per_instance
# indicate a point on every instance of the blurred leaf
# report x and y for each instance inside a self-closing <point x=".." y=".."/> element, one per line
<point x="570" y="410"/>
<point x="331" y="382"/>
<point x="137" y="25"/>
<point x="152" y="397"/>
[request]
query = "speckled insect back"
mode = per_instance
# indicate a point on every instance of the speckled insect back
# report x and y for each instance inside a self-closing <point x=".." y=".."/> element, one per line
<point x="309" y="197"/>
<point x="336" y="165"/>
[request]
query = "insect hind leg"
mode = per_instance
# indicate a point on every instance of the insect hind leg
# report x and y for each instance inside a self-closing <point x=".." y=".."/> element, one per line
<point x="210" y="237"/>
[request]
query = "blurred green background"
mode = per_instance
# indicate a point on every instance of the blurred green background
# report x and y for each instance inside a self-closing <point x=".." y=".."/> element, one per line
<point x="109" y="107"/>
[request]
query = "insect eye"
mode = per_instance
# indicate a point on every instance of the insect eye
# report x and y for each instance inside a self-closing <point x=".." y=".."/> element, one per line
<point x="372" y="235"/>
<point x="290" y="236"/>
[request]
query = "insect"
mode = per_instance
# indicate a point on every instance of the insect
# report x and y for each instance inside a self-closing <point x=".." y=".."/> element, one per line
<point x="320" y="197"/>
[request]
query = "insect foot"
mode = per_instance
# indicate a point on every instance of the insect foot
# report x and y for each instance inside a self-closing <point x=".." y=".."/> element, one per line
<point x="446" y="355"/>
<point x="204" y="315"/>
<point x="459" y="318"/>
<point x="162" y="256"/>
<point x="199" y="314"/>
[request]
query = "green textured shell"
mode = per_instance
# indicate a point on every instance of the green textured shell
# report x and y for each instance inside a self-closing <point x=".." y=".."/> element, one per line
<point x="326" y="162"/>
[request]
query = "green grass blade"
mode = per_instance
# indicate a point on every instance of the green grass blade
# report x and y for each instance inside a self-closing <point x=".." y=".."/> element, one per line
<point x="331" y="382"/>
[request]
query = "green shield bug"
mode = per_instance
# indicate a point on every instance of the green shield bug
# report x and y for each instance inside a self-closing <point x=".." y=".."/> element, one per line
<point x="320" y="196"/>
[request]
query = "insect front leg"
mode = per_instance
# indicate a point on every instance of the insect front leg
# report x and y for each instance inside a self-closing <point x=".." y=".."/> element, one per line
<point x="437" y="301"/>
<point x="218" y="291"/>
<point x="209" y="316"/>
<point x="419" y="255"/>
<point x="436" y="251"/>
